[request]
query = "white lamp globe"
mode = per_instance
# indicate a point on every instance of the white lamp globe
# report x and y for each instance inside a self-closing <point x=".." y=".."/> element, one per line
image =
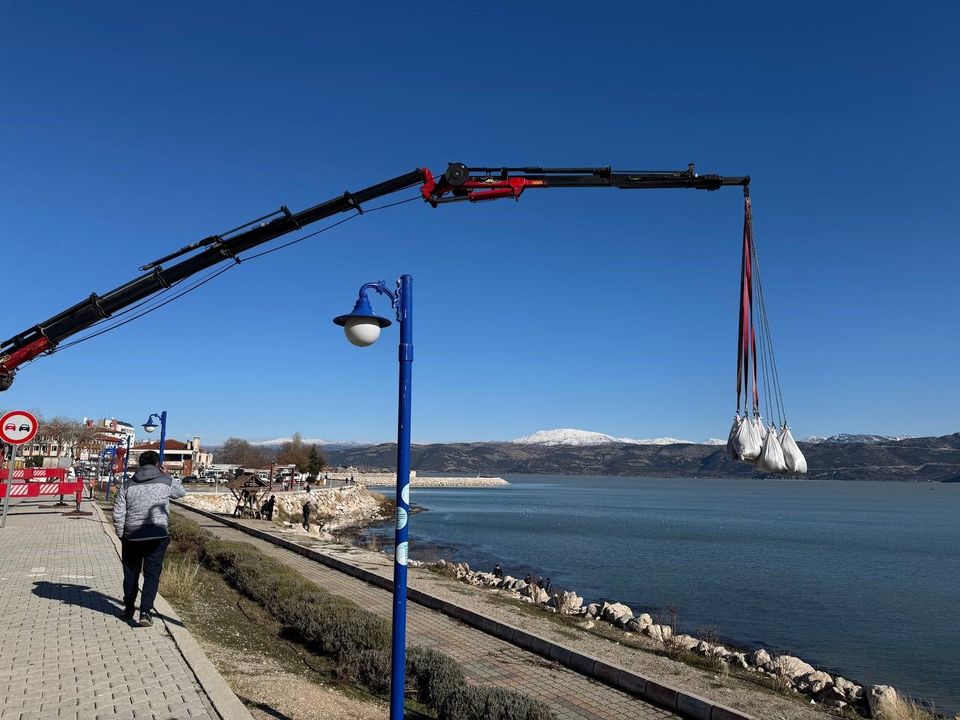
<point x="361" y="331"/>
<point x="150" y="427"/>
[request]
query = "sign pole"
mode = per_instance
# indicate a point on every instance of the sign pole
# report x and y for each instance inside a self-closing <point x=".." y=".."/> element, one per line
<point x="6" y="499"/>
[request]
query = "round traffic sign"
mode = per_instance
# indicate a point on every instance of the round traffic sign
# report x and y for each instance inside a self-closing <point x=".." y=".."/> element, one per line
<point x="17" y="427"/>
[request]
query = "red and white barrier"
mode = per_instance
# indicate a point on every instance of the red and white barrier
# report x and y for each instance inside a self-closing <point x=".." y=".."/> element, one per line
<point x="58" y="474"/>
<point x="49" y="481"/>
<point x="37" y="489"/>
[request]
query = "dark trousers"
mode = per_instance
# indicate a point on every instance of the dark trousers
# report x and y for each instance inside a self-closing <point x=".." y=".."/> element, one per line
<point x="144" y="556"/>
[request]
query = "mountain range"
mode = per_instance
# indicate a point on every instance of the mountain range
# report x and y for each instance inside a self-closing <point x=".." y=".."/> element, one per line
<point x="566" y="452"/>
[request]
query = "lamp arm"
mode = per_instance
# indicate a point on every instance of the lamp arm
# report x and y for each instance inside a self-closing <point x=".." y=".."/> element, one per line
<point x="382" y="289"/>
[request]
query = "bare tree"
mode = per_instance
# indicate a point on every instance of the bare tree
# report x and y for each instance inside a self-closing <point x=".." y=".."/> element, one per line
<point x="237" y="451"/>
<point x="295" y="452"/>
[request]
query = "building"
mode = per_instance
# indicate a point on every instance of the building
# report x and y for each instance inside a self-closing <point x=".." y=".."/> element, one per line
<point x="114" y="432"/>
<point x="61" y="442"/>
<point x="179" y="458"/>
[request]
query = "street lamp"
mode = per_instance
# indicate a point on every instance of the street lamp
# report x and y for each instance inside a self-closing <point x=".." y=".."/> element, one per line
<point x="150" y="426"/>
<point x="362" y="328"/>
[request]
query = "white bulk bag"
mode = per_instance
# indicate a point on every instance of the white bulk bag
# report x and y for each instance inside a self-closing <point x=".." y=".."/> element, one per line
<point x="747" y="441"/>
<point x="771" y="455"/>
<point x="794" y="459"/>
<point x="732" y="451"/>
<point x="759" y="428"/>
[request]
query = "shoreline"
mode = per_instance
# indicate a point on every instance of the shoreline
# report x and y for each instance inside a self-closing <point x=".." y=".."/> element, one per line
<point x="652" y="631"/>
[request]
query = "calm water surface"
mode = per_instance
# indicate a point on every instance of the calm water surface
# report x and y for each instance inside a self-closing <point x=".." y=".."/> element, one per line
<point x="859" y="578"/>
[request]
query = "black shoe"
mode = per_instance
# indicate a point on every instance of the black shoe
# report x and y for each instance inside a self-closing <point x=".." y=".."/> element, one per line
<point x="146" y="618"/>
<point x="128" y="614"/>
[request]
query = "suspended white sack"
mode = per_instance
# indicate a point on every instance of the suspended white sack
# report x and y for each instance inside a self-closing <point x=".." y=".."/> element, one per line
<point x="759" y="428"/>
<point x="732" y="451"/>
<point x="792" y="457"/>
<point x="746" y="442"/>
<point x="771" y="455"/>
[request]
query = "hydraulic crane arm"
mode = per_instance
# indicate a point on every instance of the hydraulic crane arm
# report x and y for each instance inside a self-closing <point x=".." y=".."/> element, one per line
<point x="459" y="182"/>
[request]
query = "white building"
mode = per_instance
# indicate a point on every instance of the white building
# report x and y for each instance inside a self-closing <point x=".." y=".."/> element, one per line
<point x="179" y="458"/>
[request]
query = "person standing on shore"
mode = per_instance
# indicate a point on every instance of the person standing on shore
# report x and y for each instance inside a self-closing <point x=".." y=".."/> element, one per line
<point x="140" y="517"/>
<point x="306" y="516"/>
<point x="497" y="572"/>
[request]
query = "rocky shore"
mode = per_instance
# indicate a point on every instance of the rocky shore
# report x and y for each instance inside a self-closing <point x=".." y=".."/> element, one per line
<point x="785" y="673"/>
<point x="333" y="509"/>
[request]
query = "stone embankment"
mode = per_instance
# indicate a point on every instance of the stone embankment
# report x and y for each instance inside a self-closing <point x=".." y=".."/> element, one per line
<point x="331" y="509"/>
<point x="785" y="672"/>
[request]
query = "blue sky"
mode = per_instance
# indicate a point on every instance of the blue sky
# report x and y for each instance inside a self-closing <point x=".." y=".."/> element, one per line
<point x="130" y="131"/>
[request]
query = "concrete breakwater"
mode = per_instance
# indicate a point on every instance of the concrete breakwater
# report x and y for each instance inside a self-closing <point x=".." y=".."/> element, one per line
<point x="786" y="673"/>
<point x="386" y="479"/>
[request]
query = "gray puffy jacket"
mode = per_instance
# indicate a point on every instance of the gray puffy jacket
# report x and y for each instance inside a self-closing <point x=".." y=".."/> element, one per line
<point x="141" y="508"/>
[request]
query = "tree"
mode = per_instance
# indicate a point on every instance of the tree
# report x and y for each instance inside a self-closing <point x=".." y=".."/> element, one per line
<point x="35" y="461"/>
<point x="237" y="451"/>
<point x="316" y="461"/>
<point x="61" y="430"/>
<point x="295" y="452"/>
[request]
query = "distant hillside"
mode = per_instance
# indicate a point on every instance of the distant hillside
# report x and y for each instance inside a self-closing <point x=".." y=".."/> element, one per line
<point x="912" y="459"/>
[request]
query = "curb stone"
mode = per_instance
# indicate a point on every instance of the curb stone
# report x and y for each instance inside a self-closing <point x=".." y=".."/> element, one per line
<point x="686" y="704"/>
<point x="226" y="704"/>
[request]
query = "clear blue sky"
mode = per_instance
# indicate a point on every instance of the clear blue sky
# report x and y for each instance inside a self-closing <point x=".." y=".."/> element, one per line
<point x="129" y="131"/>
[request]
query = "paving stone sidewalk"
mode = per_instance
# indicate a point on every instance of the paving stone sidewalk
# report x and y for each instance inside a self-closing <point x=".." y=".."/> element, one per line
<point x="485" y="659"/>
<point x="65" y="650"/>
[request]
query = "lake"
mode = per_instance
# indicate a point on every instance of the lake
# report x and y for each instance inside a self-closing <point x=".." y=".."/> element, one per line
<point x="859" y="578"/>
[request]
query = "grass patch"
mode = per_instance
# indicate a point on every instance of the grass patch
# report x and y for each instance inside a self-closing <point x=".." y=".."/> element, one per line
<point x="354" y="642"/>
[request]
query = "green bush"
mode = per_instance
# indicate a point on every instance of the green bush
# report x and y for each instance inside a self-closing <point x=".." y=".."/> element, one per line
<point x="432" y="676"/>
<point x="481" y="703"/>
<point x="357" y="640"/>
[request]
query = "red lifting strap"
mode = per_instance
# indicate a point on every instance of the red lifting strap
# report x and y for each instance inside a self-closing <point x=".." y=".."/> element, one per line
<point x="747" y="340"/>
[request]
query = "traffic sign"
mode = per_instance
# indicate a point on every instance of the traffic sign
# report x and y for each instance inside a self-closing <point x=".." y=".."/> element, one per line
<point x="17" y="427"/>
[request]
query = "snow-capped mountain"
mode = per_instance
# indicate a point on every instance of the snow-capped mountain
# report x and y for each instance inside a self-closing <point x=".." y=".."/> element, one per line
<point x="573" y="437"/>
<point x="856" y="438"/>
<point x="308" y="441"/>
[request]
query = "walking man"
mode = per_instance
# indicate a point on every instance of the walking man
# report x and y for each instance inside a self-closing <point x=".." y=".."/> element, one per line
<point x="140" y="516"/>
<point x="306" y="516"/>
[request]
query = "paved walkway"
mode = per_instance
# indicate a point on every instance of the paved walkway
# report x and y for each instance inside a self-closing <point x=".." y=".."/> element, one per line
<point x="65" y="650"/>
<point x="486" y="660"/>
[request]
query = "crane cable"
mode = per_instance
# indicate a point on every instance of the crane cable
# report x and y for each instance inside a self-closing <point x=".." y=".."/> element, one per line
<point x="158" y="301"/>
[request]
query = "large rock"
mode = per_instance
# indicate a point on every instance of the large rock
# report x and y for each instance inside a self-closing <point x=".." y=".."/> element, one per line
<point x="684" y="642"/>
<point x="536" y="594"/>
<point x="660" y="633"/>
<point x="851" y="691"/>
<point x="639" y="623"/>
<point x="611" y="612"/>
<point x="788" y="666"/>
<point x="883" y="702"/>
<point x="759" y="658"/>
<point x="593" y="609"/>
<point x="566" y="603"/>
<point x="817" y="681"/>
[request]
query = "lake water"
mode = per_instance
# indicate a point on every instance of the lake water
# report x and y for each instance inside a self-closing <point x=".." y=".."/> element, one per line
<point x="859" y="578"/>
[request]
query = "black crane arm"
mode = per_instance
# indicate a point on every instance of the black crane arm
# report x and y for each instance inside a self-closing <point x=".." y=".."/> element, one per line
<point x="459" y="182"/>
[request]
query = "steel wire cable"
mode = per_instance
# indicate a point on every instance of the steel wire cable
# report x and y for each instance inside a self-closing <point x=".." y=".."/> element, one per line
<point x="765" y="322"/>
<point x="158" y="301"/>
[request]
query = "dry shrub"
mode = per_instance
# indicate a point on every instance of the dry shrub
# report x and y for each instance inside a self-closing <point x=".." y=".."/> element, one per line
<point x="901" y="708"/>
<point x="178" y="581"/>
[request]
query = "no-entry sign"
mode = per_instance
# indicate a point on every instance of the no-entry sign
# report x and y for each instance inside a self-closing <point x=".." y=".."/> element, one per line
<point x="17" y="427"/>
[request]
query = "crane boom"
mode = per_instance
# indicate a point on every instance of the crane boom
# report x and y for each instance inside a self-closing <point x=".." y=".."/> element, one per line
<point x="459" y="182"/>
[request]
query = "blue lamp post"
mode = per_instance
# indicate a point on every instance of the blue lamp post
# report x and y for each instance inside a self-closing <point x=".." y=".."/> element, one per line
<point x="362" y="328"/>
<point x="150" y="426"/>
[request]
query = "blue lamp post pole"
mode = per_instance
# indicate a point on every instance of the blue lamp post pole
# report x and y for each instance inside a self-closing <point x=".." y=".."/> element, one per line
<point x="362" y="328"/>
<point x="150" y="426"/>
